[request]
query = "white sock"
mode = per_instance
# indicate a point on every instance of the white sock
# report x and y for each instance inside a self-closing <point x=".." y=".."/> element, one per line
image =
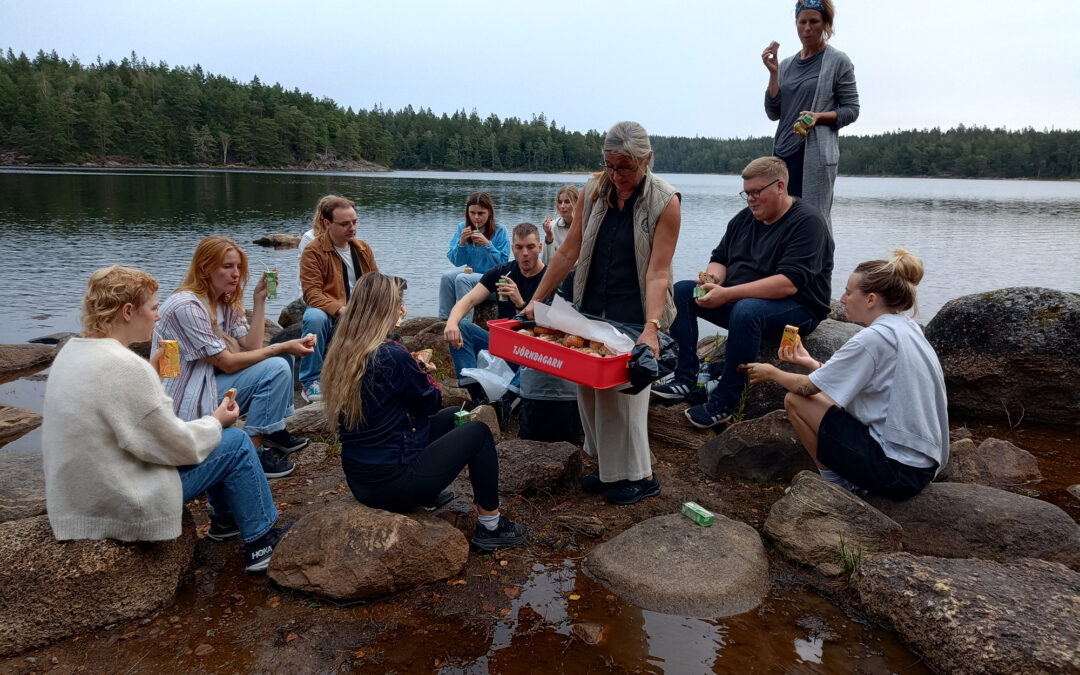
<point x="489" y="522"/>
<point x="836" y="478"/>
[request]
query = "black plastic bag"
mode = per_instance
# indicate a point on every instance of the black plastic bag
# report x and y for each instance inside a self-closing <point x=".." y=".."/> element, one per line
<point x="644" y="367"/>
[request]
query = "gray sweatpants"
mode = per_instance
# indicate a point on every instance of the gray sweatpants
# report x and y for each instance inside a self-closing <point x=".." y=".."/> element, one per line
<point x="616" y="432"/>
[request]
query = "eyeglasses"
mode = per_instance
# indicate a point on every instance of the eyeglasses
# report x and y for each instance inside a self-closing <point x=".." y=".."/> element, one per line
<point x="344" y="223"/>
<point x="754" y="194"/>
<point x="619" y="170"/>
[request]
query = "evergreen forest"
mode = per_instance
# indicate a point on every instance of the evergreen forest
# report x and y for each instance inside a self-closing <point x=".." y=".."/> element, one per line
<point x="55" y="110"/>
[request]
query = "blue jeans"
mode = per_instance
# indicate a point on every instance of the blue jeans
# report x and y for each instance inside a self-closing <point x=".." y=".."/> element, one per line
<point x="264" y="391"/>
<point x="232" y="478"/>
<point x="454" y="286"/>
<point x="473" y="339"/>
<point x="321" y="325"/>
<point x="746" y="321"/>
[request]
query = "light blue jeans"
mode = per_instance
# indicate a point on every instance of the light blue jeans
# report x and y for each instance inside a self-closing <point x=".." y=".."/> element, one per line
<point x="454" y="286"/>
<point x="264" y="392"/>
<point x="321" y="325"/>
<point x="473" y="340"/>
<point x="232" y="478"/>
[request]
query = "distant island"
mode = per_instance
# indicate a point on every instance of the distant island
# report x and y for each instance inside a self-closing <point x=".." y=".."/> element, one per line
<point x="56" y="111"/>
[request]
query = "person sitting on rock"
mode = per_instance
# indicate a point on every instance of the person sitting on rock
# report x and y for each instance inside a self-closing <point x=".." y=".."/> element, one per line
<point x="772" y="268"/>
<point x="119" y="464"/>
<point x="873" y="417"/>
<point x="219" y="350"/>
<point x="399" y="448"/>
<point x="329" y="267"/>
<point x="478" y="244"/>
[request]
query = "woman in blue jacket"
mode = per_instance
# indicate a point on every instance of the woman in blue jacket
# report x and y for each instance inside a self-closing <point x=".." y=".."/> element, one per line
<point x="399" y="446"/>
<point x="479" y="244"/>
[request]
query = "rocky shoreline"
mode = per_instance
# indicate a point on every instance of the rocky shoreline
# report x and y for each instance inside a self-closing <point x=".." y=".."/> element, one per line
<point x="941" y="569"/>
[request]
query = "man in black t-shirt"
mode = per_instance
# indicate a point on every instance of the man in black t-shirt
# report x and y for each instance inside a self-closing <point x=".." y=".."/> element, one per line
<point x="772" y="268"/>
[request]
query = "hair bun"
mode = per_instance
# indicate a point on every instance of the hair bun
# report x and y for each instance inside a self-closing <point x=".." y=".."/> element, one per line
<point x="908" y="266"/>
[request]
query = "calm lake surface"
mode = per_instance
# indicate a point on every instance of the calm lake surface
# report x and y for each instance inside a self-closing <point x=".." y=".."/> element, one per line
<point x="57" y="226"/>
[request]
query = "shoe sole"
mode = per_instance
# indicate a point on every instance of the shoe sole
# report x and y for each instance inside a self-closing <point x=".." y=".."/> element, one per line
<point x="488" y="548"/>
<point x="652" y="492"/>
<point x="440" y="503"/>
<point x="259" y="566"/>
<point x="669" y="395"/>
<point x="285" y="449"/>
<point x="280" y="474"/>
<point x="721" y="420"/>
<point x="223" y="537"/>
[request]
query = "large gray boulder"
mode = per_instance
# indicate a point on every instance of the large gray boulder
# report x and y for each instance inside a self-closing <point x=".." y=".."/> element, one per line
<point x="19" y="360"/>
<point x="976" y="616"/>
<point x="16" y="423"/>
<point x="348" y="552"/>
<point x="526" y="467"/>
<point x="22" y="486"/>
<point x="763" y="449"/>
<point x="993" y="462"/>
<point x="293" y="313"/>
<point x="52" y="590"/>
<point x="672" y="565"/>
<point x="1011" y="353"/>
<point x="958" y="520"/>
<point x="807" y="523"/>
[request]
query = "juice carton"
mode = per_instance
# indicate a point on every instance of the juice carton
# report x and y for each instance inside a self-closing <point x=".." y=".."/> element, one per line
<point x="698" y="514"/>
<point x="169" y="365"/>
<point x="790" y="340"/>
<point x="271" y="284"/>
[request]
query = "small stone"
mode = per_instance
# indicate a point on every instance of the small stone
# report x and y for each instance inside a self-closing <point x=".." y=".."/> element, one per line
<point x="589" y="633"/>
<point x="203" y="650"/>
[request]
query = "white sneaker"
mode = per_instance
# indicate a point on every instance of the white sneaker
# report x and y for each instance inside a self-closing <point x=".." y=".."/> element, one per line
<point x="311" y="392"/>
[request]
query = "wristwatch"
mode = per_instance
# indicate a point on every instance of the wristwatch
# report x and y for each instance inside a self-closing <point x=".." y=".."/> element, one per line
<point x="656" y="321"/>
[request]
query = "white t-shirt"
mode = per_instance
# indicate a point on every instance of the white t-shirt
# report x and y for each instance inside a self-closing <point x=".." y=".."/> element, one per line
<point x="350" y="272"/>
<point x="305" y="239"/>
<point x="888" y="377"/>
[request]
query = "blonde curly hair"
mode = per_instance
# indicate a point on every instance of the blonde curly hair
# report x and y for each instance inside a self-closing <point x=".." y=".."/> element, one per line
<point x="107" y="292"/>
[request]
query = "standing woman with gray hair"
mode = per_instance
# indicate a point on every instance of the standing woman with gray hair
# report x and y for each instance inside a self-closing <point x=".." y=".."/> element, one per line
<point x="812" y="94"/>
<point x="623" y="236"/>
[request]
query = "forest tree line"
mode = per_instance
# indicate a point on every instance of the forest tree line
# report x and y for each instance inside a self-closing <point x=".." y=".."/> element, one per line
<point x="62" y="111"/>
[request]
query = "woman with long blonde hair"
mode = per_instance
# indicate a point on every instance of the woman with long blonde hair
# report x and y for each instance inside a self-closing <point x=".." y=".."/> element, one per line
<point x="399" y="446"/>
<point x="219" y="350"/>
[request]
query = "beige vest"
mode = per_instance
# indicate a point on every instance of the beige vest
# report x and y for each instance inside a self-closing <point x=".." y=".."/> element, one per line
<point x="655" y="195"/>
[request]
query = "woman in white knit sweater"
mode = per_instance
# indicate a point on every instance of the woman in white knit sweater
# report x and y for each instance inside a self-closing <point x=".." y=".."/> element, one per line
<point x="119" y="463"/>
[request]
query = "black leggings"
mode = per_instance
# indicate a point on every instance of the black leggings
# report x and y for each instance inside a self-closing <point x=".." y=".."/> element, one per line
<point x="448" y="451"/>
<point x="795" y="171"/>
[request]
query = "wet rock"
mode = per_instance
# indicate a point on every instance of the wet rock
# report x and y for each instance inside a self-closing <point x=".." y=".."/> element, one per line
<point x="764" y="449"/>
<point x="53" y="589"/>
<point x="421" y="324"/>
<point x="589" y="633"/>
<point x="293" y="313"/>
<point x="460" y="513"/>
<point x="590" y="526"/>
<point x="993" y="462"/>
<point x="311" y="422"/>
<point x="806" y="524"/>
<point x="817" y="628"/>
<point x="957" y="520"/>
<point x="1011" y="353"/>
<point x="278" y="241"/>
<point x="22" y="486"/>
<point x="670" y="564"/>
<point x="976" y="616"/>
<point x="348" y="551"/>
<point x="828" y="337"/>
<point x="270" y="327"/>
<point x="52" y="339"/>
<point x="19" y="360"/>
<point x="531" y="466"/>
<point x="485" y="414"/>
<point x="667" y="424"/>
<point x="16" y="423"/>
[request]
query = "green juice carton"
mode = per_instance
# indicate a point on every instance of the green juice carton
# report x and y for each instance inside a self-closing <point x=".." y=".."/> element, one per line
<point x="698" y="514"/>
<point x="271" y="284"/>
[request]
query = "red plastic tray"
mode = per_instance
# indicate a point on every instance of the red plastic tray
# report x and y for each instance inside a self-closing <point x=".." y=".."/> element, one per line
<point x="598" y="372"/>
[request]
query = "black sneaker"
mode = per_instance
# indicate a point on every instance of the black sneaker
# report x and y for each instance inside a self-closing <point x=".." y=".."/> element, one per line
<point x="504" y="535"/>
<point x="441" y="499"/>
<point x="274" y="467"/>
<point x="701" y="418"/>
<point x="673" y="390"/>
<point x="633" y="491"/>
<point x="257" y="553"/>
<point x="592" y="483"/>
<point x="222" y="528"/>
<point x="284" y="442"/>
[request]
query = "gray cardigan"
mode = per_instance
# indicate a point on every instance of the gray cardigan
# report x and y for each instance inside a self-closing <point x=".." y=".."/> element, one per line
<point x="835" y="90"/>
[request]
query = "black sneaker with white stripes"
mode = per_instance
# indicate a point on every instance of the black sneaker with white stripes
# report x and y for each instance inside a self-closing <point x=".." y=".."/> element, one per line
<point x="673" y="390"/>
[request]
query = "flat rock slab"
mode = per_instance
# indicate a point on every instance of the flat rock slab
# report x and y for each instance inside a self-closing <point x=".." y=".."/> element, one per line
<point x="16" y="423"/>
<point x="22" y="486"/>
<point x="763" y="449"/>
<point x="52" y="590"/>
<point x="529" y="466"/>
<point x="806" y="525"/>
<point x="958" y="520"/>
<point x="19" y="360"/>
<point x="670" y="564"/>
<point x="348" y="551"/>
<point x="977" y="616"/>
<point x="667" y="424"/>
<point x="278" y="241"/>
<point x="993" y="462"/>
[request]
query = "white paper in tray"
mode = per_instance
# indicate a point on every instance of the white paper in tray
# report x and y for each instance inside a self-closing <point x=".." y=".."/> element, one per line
<point x="561" y="315"/>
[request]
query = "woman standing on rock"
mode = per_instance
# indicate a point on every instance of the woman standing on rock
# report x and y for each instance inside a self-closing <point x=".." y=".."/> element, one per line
<point x="399" y="446"/>
<point x="874" y="416"/>
<point x="219" y="350"/>
<point x="818" y="83"/>
<point x="479" y="244"/>
<point x="119" y="463"/>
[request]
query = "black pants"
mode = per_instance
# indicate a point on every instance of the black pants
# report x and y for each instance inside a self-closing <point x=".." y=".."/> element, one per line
<point x="795" y="171"/>
<point x="449" y="450"/>
<point x="549" y="421"/>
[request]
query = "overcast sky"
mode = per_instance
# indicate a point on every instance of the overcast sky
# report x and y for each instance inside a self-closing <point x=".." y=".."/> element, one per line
<point x="679" y="67"/>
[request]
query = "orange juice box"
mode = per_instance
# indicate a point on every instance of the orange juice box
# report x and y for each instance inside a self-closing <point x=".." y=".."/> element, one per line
<point x="169" y="365"/>
<point x="790" y="340"/>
